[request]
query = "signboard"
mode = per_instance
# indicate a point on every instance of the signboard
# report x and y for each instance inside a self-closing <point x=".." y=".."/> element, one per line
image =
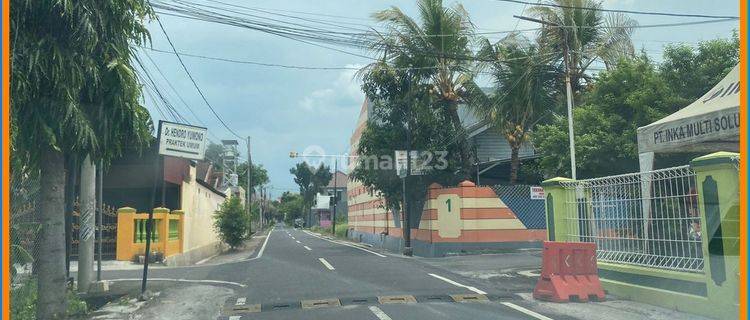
<point x="322" y="201"/>
<point x="181" y="140"/>
<point x="417" y="164"/>
<point x="536" y="193"/>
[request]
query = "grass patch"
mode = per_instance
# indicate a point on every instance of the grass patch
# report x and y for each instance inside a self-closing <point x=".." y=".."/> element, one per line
<point x="23" y="299"/>
<point x="341" y="230"/>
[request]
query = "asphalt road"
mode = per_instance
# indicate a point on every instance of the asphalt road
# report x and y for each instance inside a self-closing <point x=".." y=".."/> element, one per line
<point x="299" y="275"/>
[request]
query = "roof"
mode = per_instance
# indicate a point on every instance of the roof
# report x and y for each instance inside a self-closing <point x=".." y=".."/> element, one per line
<point x="712" y="118"/>
<point x="340" y="179"/>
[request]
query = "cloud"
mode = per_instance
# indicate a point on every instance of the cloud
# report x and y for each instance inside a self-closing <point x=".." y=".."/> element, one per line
<point x="342" y="93"/>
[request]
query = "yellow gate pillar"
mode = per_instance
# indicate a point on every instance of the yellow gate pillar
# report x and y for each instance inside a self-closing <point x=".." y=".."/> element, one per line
<point x="717" y="176"/>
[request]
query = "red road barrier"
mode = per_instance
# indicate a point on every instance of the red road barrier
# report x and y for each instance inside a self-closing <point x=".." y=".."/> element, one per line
<point x="569" y="273"/>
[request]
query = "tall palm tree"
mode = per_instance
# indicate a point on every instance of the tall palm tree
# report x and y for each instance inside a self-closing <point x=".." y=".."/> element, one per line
<point x="523" y="91"/>
<point x="74" y="93"/>
<point x="437" y="47"/>
<point x="586" y="34"/>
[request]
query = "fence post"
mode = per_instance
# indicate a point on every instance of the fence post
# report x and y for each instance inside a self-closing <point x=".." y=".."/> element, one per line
<point x="125" y="233"/>
<point x="717" y="177"/>
<point x="556" y="208"/>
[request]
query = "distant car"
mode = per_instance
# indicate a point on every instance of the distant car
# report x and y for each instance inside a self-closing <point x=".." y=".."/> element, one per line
<point x="299" y="223"/>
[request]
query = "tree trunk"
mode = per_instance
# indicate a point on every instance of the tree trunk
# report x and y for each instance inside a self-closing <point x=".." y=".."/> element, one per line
<point x="51" y="286"/>
<point x="460" y="141"/>
<point x="514" y="163"/>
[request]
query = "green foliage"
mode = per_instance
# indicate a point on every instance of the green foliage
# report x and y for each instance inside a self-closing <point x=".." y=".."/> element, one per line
<point x="523" y="91"/>
<point x="631" y="95"/>
<point x="691" y="72"/>
<point x="74" y="89"/>
<point x="23" y="299"/>
<point x="401" y="105"/>
<point x="438" y="43"/>
<point x="310" y="180"/>
<point x="258" y="178"/>
<point x="291" y="206"/>
<point x="589" y="35"/>
<point x="231" y="222"/>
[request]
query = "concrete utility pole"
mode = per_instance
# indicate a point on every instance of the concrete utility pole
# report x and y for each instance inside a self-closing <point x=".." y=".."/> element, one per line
<point x="249" y="191"/>
<point x="87" y="225"/>
<point x="335" y="195"/>
<point x="100" y="216"/>
<point x="568" y="89"/>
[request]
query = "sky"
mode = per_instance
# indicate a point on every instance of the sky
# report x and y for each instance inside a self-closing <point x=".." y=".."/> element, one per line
<point x="284" y="110"/>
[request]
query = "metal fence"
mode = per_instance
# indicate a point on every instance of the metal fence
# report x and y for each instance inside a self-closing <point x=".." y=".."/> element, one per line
<point x="648" y="219"/>
<point x="24" y="191"/>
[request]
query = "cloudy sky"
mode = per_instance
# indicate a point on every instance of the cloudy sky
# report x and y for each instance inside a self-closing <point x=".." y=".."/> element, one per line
<point x="285" y="110"/>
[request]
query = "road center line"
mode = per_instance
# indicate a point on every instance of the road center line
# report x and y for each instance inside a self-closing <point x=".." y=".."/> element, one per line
<point x="308" y="248"/>
<point x="345" y="244"/>
<point x="325" y="263"/>
<point x="473" y="289"/>
<point x="525" y="311"/>
<point x="379" y="313"/>
<point x="298" y="241"/>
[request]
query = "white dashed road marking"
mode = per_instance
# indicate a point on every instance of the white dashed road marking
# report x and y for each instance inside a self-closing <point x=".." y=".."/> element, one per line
<point x="473" y="289"/>
<point x="308" y="248"/>
<point x="298" y="241"/>
<point x="325" y="263"/>
<point x="379" y="313"/>
<point x="525" y="311"/>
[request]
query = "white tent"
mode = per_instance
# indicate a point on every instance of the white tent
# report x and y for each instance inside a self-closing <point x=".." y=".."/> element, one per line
<point x="711" y="123"/>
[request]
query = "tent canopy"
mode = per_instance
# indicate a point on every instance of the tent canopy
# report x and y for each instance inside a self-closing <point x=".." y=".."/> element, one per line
<point x="709" y="124"/>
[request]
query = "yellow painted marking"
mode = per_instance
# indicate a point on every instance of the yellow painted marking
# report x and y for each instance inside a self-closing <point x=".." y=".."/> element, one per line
<point x="397" y="299"/>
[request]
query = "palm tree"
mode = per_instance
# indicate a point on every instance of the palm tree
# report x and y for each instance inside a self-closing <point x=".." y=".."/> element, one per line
<point x="523" y="91"/>
<point x="74" y="93"/>
<point x="437" y="47"/>
<point x="586" y="34"/>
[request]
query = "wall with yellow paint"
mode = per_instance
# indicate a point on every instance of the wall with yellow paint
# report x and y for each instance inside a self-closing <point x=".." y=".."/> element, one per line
<point x="199" y="204"/>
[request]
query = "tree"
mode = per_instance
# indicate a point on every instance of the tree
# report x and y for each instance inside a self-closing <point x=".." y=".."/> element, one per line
<point x="231" y="223"/>
<point x="303" y="177"/>
<point x="214" y="153"/>
<point x="259" y="175"/>
<point x="400" y="107"/>
<point x="587" y="35"/>
<point x="438" y="46"/>
<point x="631" y="95"/>
<point x="691" y="72"/>
<point x="74" y="93"/>
<point x="290" y="206"/>
<point x="523" y="91"/>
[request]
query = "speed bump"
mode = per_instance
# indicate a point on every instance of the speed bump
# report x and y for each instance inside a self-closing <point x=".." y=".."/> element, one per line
<point x="397" y="299"/>
<point x="324" y="303"/>
<point x="240" y="309"/>
<point x="469" y="297"/>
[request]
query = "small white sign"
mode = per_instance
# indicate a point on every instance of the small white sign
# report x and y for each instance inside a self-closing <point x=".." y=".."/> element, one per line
<point x="182" y="141"/>
<point x="537" y="193"/>
<point x="417" y="163"/>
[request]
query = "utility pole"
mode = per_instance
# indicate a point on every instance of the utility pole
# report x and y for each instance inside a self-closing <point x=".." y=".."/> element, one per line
<point x="87" y="225"/>
<point x="249" y="191"/>
<point x="100" y="207"/>
<point x="335" y="195"/>
<point x="260" y="215"/>
<point x="407" y="224"/>
<point x="568" y="89"/>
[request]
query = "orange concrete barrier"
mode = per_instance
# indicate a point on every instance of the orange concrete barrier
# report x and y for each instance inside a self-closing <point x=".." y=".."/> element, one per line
<point x="569" y="273"/>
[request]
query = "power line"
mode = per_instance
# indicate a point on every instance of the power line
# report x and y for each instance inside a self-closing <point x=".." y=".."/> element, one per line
<point x="650" y="13"/>
<point x="184" y="67"/>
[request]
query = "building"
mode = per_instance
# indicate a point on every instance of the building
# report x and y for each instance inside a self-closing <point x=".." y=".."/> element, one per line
<point x="193" y="187"/>
<point x="485" y="221"/>
<point x="323" y="206"/>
